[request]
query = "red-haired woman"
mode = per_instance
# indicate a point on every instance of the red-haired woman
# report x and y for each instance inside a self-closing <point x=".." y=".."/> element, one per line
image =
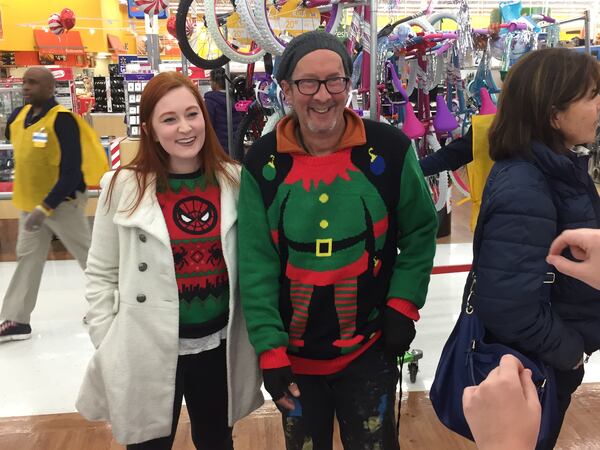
<point x="162" y="284"/>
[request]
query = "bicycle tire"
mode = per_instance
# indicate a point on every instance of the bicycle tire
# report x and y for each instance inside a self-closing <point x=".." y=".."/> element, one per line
<point x="272" y="122"/>
<point x="422" y="23"/>
<point x="248" y="19"/>
<point x="435" y="18"/>
<point x="461" y="185"/>
<point x="438" y="183"/>
<point x="184" y="43"/>
<point x="249" y="130"/>
<point x="271" y="42"/>
<point x="228" y="49"/>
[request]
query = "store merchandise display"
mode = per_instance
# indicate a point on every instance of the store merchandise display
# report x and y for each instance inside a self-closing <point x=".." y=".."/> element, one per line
<point x="7" y="164"/>
<point x="109" y="93"/>
<point x="101" y="94"/>
<point x="134" y="85"/>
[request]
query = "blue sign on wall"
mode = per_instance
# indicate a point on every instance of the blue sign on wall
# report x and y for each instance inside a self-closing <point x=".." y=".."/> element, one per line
<point x="135" y="12"/>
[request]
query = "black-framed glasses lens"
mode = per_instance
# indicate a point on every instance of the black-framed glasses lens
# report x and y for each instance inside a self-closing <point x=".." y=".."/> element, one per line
<point x="335" y="85"/>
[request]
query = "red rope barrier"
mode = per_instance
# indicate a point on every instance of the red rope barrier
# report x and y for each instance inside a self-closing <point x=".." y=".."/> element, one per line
<point x="437" y="270"/>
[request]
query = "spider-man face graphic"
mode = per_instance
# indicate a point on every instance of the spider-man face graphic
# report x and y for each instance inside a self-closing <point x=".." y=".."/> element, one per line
<point x="195" y="215"/>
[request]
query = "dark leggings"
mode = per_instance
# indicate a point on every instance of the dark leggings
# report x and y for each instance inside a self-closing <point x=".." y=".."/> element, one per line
<point x="202" y="380"/>
<point x="362" y="397"/>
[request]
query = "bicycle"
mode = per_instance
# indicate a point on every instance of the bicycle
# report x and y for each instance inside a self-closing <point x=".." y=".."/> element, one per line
<point x="200" y="48"/>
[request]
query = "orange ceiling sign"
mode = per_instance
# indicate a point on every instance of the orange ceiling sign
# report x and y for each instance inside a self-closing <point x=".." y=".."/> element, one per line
<point x="115" y="45"/>
<point x="66" y="44"/>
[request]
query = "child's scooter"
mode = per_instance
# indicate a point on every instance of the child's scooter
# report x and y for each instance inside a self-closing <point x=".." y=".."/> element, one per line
<point x="412" y="358"/>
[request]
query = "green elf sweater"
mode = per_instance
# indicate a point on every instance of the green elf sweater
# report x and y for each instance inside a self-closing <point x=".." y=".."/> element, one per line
<point x="319" y="240"/>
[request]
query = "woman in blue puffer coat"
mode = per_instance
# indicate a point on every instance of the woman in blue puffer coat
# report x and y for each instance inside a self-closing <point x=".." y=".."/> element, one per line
<point x="538" y="187"/>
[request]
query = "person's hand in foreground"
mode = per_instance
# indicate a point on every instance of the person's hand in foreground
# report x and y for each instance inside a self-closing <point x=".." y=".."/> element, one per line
<point x="504" y="411"/>
<point x="584" y="244"/>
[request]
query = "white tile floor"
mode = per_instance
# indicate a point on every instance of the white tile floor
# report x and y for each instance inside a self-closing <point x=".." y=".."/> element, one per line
<point x="42" y="375"/>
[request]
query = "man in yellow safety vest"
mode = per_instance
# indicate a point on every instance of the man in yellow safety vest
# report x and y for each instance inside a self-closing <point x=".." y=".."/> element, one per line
<point x="51" y="148"/>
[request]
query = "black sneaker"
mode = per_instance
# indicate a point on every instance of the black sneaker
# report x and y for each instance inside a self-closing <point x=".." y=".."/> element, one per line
<point x="14" y="331"/>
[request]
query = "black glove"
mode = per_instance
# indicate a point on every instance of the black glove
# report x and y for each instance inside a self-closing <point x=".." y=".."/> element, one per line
<point x="277" y="381"/>
<point x="398" y="331"/>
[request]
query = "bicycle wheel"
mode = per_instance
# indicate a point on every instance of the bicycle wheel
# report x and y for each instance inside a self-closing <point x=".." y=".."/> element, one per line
<point x="229" y="32"/>
<point x="279" y="24"/>
<point x="421" y="23"/>
<point x="460" y="180"/>
<point x="438" y="183"/>
<point x="272" y="122"/>
<point x="248" y="131"/>
<point x="246" y="9"/>
<point x="439" y="21"/>
<point x="200" y="48"/>
<point x="438" y="186"/>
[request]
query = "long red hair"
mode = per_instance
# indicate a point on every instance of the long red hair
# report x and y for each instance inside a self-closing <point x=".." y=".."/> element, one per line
<point x="152" y="159"/>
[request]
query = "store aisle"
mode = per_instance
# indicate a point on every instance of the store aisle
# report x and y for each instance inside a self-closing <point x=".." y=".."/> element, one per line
<point x="42" y="375"/>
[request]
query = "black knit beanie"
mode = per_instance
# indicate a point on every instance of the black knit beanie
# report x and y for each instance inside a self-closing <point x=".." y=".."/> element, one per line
<point x="305" y="44"/>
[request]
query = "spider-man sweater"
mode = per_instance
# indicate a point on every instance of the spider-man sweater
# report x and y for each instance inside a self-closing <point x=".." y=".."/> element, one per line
<point x="191" y="208"/>
<point x="319" y="240"/>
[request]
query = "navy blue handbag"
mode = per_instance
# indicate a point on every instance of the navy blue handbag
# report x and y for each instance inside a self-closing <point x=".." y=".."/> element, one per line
<point x="467" y="359"/>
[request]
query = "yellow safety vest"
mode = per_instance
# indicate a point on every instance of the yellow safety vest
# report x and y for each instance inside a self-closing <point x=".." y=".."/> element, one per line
<point x="37" y="156"/>
<point x="479" y="169"/>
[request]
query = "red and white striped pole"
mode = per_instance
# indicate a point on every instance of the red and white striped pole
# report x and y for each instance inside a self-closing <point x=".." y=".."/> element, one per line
<point x="115" y="153"/>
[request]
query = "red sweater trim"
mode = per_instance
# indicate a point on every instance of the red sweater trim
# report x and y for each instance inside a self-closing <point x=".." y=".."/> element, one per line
<point x="274" y="358"/>
<point x="404" y="307"/>
<point x="305" y="366"/>
<point x="328" y="277"/>
<point x="381" y="227"/>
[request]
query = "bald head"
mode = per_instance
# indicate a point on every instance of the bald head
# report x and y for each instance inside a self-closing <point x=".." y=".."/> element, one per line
<point x="38" y="86"/>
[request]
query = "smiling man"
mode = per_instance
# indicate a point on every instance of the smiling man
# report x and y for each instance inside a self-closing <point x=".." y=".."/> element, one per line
<point x="48" y="190"/>
<point x="326" y="202"/>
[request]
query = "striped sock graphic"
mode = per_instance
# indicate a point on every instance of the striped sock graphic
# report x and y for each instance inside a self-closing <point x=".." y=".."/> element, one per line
<point x="345" y="306"/>
<point x="300" y="296"/>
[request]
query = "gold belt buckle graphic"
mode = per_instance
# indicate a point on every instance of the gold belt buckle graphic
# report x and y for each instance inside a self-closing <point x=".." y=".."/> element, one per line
<point x="326" y="242"/>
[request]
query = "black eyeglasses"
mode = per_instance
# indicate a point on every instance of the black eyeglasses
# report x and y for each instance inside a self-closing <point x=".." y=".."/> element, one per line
<point x="309" y="86"/>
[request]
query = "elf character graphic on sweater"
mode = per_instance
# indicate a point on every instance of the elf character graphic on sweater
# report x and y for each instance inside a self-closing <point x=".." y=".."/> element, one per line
<point x="334" y="225"/>
<point x="326" y="243"/>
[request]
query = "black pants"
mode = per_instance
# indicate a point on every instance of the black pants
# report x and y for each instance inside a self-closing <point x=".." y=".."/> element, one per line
<point x="567" y="382"/>
<point x="202" y="379"/>
<point x="362" y="397"/>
